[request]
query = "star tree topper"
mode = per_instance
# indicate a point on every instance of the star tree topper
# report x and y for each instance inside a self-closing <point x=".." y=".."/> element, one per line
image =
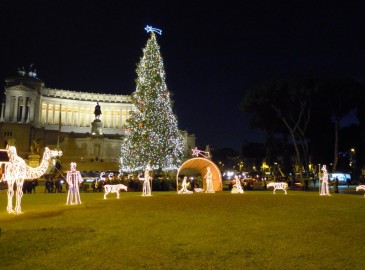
<point x="151" y="29"/>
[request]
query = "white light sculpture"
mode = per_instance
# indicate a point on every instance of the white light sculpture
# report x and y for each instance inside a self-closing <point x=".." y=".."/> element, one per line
<point x="237" y="187"/>
<point x="325" y="190"/>
<point x="360" y="187"/>
<point x="152" y="29"/>
<point x="209" y="181"/>
<point x="184" y="187"/>
<point x="278" y="185"/>
<point x="73" y="179"/>
<point x="16" y="170"/>
<point x="198" y="190"/>
<point x="146" y="190"/>
<point x="113" y="189"/>
<point x="101" y="177"/>
<point x="202" y="153"/>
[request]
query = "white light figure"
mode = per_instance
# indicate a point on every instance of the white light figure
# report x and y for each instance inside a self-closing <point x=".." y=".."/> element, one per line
<point x="196" y="152"/>
<point x="325" y="190"/>
<point x="73" y="179"/>
<point x="360" y="187"/>
<point x="152" y="29"/>
<point x="113" y="189"/>
<point x="209" y="181"/>
<point x="278" y="185"/>
<point x="184" y="187"/>
<point x="16" y="170"/>
<point x="146" y="190"/>
<point x="110" y="176"/>
<point x="101" y="177"/>
<point x="237" y="187"/>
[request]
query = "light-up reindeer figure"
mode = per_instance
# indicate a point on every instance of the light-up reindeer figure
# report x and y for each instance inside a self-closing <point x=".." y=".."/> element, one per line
<point x="73" y="180"/>
<point x="16" y="171"/>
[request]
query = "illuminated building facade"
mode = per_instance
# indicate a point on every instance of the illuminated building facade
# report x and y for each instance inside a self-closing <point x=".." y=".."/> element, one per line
<point x="30" y="111"/>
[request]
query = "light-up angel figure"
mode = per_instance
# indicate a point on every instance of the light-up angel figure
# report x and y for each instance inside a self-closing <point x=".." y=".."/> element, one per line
<point x="146" y="190"/>
<point x="325" y="190"/>
<point x="73" y="179"/>
<point x="237" y="187"/>
<point x="184" y="187"/>
<point x="16" y="170"/>
<point x="209" y="181"/>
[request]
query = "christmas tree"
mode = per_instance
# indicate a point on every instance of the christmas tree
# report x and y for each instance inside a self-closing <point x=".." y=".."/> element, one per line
<point x="151" y="132"/>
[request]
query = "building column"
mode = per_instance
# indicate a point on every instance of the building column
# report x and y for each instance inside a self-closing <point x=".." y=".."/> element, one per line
<point x="8" y="105"/>
<point x="78" y="116"/>
<point x="115" y="119"/>
<point x="2" y="112"/>
<point x="31" y="110"/>
<point x="15" y="116"/>
<point x="46" y="120"/>
<point x="23" y="109"/>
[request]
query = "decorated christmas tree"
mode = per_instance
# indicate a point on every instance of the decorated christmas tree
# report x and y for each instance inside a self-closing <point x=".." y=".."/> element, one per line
<point x="151" y="132"/>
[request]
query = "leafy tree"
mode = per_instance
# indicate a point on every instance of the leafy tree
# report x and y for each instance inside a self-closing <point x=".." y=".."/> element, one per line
<point x="285" y="103"/>
<point x="152" y="133"/>
<point x="342" y="97"/>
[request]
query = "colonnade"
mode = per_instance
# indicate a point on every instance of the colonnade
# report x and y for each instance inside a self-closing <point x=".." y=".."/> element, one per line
<point x="80" y="115"/>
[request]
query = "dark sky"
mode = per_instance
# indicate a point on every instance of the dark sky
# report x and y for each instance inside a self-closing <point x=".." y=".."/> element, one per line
<point x="212" y="53"/>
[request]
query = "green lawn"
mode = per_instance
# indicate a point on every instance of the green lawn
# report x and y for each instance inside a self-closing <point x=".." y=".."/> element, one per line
<point x="255" y="230"/>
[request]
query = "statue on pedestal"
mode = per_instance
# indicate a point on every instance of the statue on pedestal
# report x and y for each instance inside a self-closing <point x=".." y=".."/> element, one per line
<point x="97" y="111"/>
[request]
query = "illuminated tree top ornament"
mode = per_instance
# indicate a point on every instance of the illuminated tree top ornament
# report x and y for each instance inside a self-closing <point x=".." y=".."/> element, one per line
<point x="151" y="29"/>
<point x="16" y="170"/>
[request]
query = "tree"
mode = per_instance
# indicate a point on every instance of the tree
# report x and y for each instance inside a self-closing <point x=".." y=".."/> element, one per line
<point x="152" y="133"/>
<point x="342" y="97"/>
<point x="285" y="103"/>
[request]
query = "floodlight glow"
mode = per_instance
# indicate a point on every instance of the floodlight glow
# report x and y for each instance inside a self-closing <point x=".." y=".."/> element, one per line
<point x="113" y="189"/>
<point x="16" y="170"/>
<point x="278" y="185"/>
<point x="73" y="179"/>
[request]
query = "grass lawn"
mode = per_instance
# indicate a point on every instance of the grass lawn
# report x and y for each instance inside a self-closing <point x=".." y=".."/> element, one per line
<point x="255" y="230"/>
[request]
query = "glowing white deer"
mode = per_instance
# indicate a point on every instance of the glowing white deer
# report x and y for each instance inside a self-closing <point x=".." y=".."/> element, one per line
<point x="360" y="187"/>
<point x="278" y="185"/>
<point x="113" y="189"/>
<point x="16" y="170"/>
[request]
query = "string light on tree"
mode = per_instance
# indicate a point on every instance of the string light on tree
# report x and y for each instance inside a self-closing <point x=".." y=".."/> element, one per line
<point x="152" y="133"/>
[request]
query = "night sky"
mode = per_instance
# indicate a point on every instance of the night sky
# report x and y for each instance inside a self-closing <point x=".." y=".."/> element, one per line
<point x="213" y="53"/>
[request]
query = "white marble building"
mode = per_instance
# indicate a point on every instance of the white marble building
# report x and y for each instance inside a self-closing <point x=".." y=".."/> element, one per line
<point x="56" y="117"/>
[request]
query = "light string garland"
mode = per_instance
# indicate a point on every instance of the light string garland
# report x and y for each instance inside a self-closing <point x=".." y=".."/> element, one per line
<point x="152" y="132"/>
